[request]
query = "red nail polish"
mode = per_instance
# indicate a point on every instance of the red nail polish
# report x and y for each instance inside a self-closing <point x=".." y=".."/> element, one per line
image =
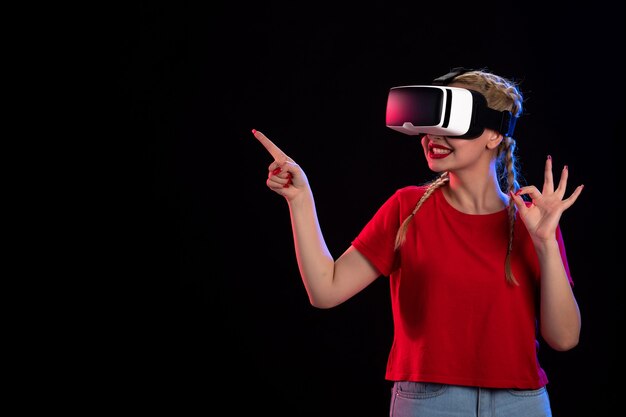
<point x="276" y="171"/>
<point x="549" y="156"/>
<point x="253" y="131"/>
<point x="518" y="192"/>
<point x="565" y="167"/>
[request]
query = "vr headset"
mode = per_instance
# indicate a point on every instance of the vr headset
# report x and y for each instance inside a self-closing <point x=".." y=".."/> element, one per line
<point x="437" y="109"/>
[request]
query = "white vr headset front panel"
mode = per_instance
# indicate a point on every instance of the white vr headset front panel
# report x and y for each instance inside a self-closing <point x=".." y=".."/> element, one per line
<point x="461" y="103"/>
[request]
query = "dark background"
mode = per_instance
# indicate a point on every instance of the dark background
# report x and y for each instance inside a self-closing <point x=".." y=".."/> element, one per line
<point x="215" y="315"/>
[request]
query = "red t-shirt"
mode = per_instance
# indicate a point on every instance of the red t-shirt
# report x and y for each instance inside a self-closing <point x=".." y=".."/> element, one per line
<point x="456" y="320"/>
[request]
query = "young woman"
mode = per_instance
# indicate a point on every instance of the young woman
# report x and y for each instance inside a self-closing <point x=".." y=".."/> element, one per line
<point x="476" y="272"/>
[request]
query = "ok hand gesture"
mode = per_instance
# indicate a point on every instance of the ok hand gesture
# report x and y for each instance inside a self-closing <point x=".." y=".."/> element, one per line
<point x="542" y="216"/>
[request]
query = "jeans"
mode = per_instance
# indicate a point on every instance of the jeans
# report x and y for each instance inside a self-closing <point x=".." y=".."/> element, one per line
<point x="420" y="399"/>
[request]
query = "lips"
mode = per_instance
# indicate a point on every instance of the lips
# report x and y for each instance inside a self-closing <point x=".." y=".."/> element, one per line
<point x="438" y="151"/>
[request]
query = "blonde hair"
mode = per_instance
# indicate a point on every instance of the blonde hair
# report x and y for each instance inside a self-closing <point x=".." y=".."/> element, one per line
<point x="501" y="94"/>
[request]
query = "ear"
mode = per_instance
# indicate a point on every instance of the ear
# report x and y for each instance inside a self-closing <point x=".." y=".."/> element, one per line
<point x="494" y="141"/>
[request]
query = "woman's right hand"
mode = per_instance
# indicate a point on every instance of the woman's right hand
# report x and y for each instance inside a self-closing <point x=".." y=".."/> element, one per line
<point x="285" y="177"/>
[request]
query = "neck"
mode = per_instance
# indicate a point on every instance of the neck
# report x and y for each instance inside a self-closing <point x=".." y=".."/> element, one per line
<point x="479" y="195"/>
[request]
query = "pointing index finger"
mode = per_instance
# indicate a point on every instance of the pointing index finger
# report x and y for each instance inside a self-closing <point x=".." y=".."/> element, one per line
<point x="274" y="150"/>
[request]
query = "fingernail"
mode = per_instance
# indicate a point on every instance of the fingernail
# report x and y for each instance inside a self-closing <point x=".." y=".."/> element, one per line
<point x="276" y="171"/>
<point x="518" y="192"/>
<point x="565" y="167"/>
<point x="253" y="131"/>
<point x="549" y="156"/>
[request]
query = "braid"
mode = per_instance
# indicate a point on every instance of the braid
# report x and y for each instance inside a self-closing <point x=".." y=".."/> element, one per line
<point x="401" y="235"/>
<point x="507" y="153"/>
<point x="501" y="94"/>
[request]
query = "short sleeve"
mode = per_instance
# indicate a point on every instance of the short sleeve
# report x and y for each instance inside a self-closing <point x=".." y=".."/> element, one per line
<point x="376" y="240"/>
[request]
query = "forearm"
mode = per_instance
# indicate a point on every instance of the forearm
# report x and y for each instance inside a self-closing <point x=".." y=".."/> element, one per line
<point x="559" y="313"/>
<point x="314" y="259"/>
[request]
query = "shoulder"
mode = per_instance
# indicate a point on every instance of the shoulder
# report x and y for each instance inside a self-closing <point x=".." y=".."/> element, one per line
<point x="410" y="192"/>
<point x="404" y="199"/>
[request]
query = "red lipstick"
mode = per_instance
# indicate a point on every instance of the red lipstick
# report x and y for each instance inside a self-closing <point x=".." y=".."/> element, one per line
<point x="438" y="154"/>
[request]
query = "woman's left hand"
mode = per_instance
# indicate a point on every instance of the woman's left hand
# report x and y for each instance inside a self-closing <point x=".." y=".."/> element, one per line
<point x="542" y="216"/>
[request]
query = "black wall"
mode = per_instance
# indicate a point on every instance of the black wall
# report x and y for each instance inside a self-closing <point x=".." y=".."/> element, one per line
<point x="217" y="317"/>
